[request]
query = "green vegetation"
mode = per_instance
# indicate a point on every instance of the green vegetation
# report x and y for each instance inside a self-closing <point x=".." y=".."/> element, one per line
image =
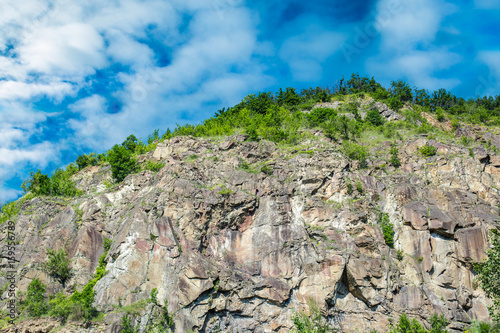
<point x="395" y="162"/>
<point x="387" y="229"/>
<point x="405" y="325"/>
<point x="58" y="184"/>
<point x="312" y="323"/>
<point x="36" y="301"/>
<point x="154" y="166"/>
<point x="121" y="160"/>
<point x="57" y="265"/>
<point x="478" y="327"/>
<point x="427" y="150"/>
<point x="78" y="306"/>
<point x="11" y="209"/>
<point x="488" y="275"/>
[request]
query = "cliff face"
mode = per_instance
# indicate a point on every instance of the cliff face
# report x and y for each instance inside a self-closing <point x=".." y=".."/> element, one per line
<point x="234" y="248"/>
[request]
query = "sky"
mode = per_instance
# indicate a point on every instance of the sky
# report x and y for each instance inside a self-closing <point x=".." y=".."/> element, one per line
<point x="80" y="76"/>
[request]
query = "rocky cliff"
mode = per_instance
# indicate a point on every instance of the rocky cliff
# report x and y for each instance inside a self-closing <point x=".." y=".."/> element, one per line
<point x="237" y="236"/>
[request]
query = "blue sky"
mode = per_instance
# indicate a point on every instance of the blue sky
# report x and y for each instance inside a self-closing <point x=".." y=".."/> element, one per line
<point x="77" y="77"/>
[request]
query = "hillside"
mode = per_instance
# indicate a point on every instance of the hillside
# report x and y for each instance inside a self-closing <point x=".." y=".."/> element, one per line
<point x="365" y="207"/>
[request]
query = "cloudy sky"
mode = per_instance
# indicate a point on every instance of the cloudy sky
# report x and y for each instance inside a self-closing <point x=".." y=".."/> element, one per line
<point x="79" y="76"/>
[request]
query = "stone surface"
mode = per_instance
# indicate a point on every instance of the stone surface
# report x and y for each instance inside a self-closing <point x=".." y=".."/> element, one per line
<point x="232" y="248"/>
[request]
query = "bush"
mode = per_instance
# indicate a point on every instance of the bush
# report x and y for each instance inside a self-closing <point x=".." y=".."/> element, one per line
<point x="314" y="323"/>
<point x="480" y="327"/>
<point x="59" y="183"/>
<point x="37" y="183"/>
<point x="35" y="303"/>
<point x="428" y="151"/>
<point x="154" y="166"/>
<point x="395" y="162"/>
<point x="122" y="162"/>
<point x="57" y="265"/>
<point x="355" y="151"/>
<point x="489" y="274"/>
<point x="387" y="229"/>
<point x="374" y="117"/>
<point x="405" y="325"/>
<point x="85" y="160"/>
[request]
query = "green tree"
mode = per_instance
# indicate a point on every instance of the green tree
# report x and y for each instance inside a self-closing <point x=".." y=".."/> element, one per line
<point x="58" y="265"/>
<point x="130" y="143"/>
<point x="122" y="162"/>
<point x="35" y="303"/>
<point x="37" y="183"/>
<point x="489" y="275"/>
<point x="374" y="117"/>
<point x="85" y="160"/>
<point x="402" y="91"/>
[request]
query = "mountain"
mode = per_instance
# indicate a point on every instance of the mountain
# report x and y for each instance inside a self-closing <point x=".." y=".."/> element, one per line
<point x="234" y="233"/>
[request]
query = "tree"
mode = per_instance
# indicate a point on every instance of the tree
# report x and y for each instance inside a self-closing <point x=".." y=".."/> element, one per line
<point x="85" y="160"/>
<point x="402" y="91"/>
<point x="374" y="117"/>
<point x="35" y="303"/>
<point x="130" y="143"/>
<point x="489" y="275"/>
<point x="122" y="162"/>
<point x="57" y="265"/>
<point x="37" y="183"/>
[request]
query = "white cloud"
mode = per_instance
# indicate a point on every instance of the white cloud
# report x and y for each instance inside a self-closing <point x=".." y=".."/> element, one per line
<point x="70" y="50"/>
<point x="305" y="53"/>
<point x="404" y="24"/>
<point x="489" y="84"/>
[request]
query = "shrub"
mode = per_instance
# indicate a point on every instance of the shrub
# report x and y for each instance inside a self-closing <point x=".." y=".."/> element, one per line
<point x="59" y="183"/>
<point x="387" y="229"/>
<point x="405" y="325"/>
<point x="489" y="274"/>
<point x="374" y="117"/>
<point x="37" y="183"/>
<point x="57" y="265"/>
<point x="35" y="303"/>
<point x="428" y="151"/>
<point x="122" y="162"/>
<point x="266" y="169"/>
<point x="355" y="151"/>
<point x="127" y="326"/>
<point x="312" y="323"/>
<point x="359" y="187"/>
<point x="395" y="162"/>
<point x="85" y="160"/>
<point x="319" y="116"/>
<point x="154" y="166"/>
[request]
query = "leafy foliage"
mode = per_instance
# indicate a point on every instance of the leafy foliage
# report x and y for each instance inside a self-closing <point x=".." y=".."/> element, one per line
<point x="121" y="160"/>
<point x="395" y="162"/>
<point x="387" y="229"/>
<point x="489" y="275"/>
<point x="35" y="303"/>
<point x="428" y="151"/>
<point x="405" y="325"/>
<point x="57" y="265"/>
<point x="58" y="184"/>
<point x="11" y="209"/>
<point x="355" y="151"/>
<point x="312" y="323"/>
<point x="374" y="117"/>
<point x="154" y="166"/>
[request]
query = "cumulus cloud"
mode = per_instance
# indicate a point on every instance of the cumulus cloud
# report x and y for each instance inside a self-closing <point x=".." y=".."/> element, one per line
<point x="404" y="24"/>
<point x="306" y="52"/>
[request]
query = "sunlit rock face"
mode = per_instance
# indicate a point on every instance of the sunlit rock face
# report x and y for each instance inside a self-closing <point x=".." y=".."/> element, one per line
<point x="231" y="247"/>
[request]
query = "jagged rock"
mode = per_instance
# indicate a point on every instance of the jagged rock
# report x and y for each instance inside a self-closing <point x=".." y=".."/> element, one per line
<point x="232" y="248"/>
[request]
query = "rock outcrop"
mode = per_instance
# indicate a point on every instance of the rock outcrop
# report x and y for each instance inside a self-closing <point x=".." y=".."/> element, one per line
<point x="235" y="247"/>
